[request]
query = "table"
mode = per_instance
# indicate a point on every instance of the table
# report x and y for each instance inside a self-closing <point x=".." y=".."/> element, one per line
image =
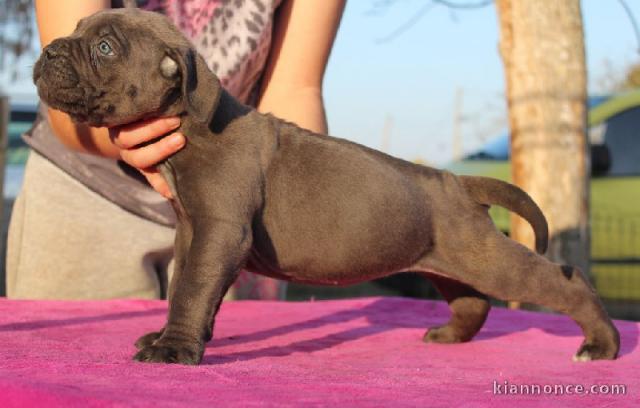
<point x="356" y="352"/>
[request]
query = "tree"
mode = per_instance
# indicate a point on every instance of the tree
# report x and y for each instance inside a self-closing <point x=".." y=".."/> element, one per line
<point x="631" y="79"/>
<point x="542" y="48"/>
<point x="16" y="31"/>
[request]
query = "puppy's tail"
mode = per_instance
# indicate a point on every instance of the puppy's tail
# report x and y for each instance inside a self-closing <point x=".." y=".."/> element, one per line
<point x="489" y="191"/>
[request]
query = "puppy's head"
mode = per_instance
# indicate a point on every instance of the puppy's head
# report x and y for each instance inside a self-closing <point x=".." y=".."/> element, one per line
<point x="124" y="65"/>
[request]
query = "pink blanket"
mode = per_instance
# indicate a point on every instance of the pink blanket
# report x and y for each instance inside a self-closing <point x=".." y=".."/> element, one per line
<point x="363" y="352"/>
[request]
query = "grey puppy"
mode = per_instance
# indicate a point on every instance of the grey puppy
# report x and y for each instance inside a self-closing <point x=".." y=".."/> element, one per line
<point x="251" y="190"/>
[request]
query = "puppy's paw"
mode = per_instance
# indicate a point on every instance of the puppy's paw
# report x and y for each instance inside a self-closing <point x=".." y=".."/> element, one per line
<point x="170" y="353"/>
<point x="593" y="351"/>
<point x="602" y="344"/>
<point x="442" y="334"/>
<point x="148" y="339"/>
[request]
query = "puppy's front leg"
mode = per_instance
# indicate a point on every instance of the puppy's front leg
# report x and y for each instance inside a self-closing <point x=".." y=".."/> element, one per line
<point x="217" y="252"/>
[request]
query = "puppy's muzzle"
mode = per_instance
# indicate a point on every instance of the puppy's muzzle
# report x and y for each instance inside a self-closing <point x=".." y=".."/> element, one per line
<point x="58" y="81"/>
<point x="55" y="67"/>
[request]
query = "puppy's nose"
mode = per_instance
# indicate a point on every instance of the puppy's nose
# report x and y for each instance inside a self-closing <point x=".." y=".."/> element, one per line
<point x="55" y="49"/>
<point x="49" y="53"/>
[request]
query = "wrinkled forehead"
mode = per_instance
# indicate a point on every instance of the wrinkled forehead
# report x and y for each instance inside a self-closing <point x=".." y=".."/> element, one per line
<point x="129" y="24"/>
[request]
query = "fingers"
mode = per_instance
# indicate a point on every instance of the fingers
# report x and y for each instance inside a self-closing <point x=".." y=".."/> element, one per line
<point x="142" y="146"/>
<point x="129" y="136"/>
<point x="157" y="181"/>
<point x="150" y="155"/>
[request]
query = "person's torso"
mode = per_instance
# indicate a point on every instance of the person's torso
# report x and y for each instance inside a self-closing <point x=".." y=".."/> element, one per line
<point x="233" y="36"/>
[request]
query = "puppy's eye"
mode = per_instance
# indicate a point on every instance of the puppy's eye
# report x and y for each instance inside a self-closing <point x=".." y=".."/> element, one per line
<point x="105" y="48"/>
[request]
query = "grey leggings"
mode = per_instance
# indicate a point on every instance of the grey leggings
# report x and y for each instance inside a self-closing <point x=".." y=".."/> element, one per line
<point x="67" y="242"/>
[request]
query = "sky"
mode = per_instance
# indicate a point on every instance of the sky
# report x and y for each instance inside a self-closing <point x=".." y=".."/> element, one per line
<point x="408" y="87"/>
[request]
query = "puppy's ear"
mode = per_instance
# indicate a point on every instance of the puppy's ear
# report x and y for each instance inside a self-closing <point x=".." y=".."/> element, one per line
<point x="130" y="3"/>
<point x="168" y="67"/>
<point x="199" y="87"/>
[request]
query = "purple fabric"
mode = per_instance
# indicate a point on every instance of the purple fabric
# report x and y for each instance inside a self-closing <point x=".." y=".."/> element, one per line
<point x="362" y="352"/>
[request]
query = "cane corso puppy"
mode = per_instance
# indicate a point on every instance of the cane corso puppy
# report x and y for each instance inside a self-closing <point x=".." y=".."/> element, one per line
<point x="253" y="191"/>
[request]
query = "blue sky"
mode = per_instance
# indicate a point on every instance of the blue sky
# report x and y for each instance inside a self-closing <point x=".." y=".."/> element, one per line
<point x="409" y="84"/>
<point x="413" y="79"/>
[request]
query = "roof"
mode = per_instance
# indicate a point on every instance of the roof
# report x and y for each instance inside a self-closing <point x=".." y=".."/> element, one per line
<point x="612" y="105"/>
<point x="601" y="108"/>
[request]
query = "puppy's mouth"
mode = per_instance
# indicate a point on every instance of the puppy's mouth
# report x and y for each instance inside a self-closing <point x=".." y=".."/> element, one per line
<point x="59" y="87"/>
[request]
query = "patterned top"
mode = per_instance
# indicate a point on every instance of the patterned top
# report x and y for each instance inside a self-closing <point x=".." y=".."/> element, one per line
<point x="233" y="36"/>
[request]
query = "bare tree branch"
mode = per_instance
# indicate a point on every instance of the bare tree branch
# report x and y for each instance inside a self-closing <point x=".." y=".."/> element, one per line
<point x="633" y="21"/>
<point x="464" y="5"/>
<point x="407" y="25"/>
<point x="384" y="4"/>
<point x="16" y="31"/>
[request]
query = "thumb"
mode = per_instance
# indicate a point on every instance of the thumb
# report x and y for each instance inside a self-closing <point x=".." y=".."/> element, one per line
<point x="157" y="181"/>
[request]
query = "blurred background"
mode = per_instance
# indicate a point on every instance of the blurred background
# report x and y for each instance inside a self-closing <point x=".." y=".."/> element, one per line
<point x="427" y="81"/>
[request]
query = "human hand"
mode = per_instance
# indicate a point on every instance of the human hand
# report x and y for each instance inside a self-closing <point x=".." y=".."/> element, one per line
<point x="142" y="146"/>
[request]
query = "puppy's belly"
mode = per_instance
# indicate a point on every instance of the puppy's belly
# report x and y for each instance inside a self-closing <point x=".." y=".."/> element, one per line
<point x="310" y="271"/>
<point x="339" y="243"/>
<point x="337" y="214"/>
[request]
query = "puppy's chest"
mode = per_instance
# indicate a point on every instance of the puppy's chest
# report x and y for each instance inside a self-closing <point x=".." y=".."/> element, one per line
<point x="187" y="166"/>
<point x="199" y="154"/>
<point x="212" y="168"/>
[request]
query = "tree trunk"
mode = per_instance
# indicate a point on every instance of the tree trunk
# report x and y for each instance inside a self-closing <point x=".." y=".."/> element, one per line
<point x="542" y="48"/>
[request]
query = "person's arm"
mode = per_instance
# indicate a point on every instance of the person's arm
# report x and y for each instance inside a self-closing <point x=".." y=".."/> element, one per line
<point x="58" y="19"/>
<point x="303" y="36"/>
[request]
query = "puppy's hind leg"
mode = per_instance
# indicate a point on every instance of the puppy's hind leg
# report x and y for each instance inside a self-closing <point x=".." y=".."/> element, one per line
<point x="504" y="269"/>
<point x="469" y="310"/>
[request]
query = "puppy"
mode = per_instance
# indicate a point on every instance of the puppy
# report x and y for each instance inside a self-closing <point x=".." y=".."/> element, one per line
<point x="253" y="191"/>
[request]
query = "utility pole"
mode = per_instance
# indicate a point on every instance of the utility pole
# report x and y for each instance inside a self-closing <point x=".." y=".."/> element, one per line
<point x="542" y="48"/>
<point x="458" y="150"/>
<point x="386" y="133"/>
<point x="5" y="113"/>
